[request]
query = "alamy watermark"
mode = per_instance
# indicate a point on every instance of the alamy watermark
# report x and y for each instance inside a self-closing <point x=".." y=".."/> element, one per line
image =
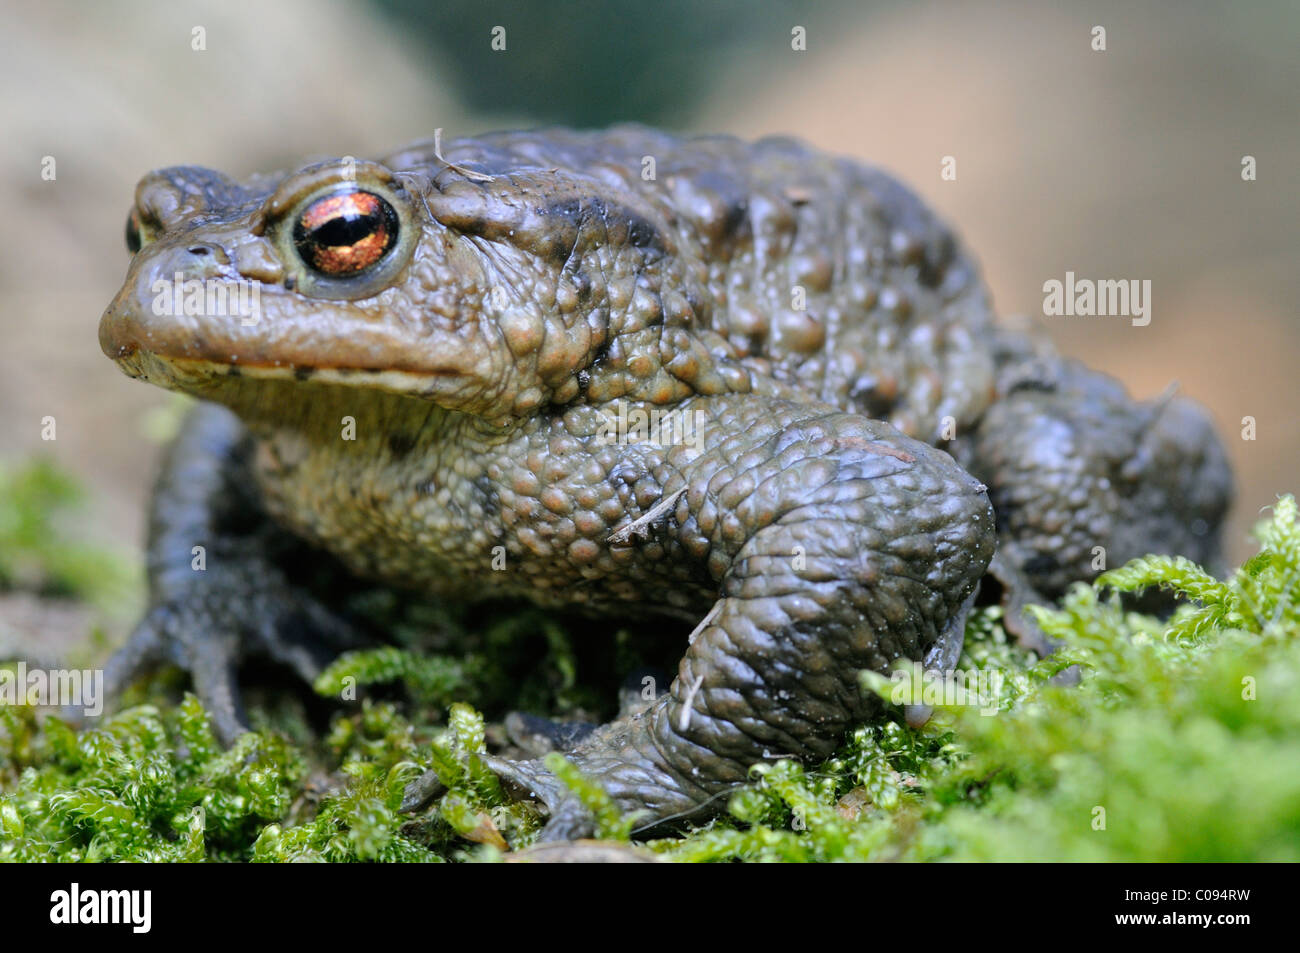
<point x="1106" y="297"/>
<point x="665" y="428"/>
<point x="133" y="908"/>
<point x="60" y="687"/>
<point x="212" y="298"/>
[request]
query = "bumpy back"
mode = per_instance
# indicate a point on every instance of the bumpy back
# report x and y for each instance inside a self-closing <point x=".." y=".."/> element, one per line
<point x="824" y="277"/>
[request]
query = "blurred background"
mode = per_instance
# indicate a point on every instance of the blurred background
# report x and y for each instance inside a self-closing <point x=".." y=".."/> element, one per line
<point x="1120" y="164"/>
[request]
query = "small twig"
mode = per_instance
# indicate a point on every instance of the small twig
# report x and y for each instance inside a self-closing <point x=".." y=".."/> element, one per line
<point x="684" y="721"/>
<point x="704" y="623"/>
<point x="641" y="525"/>
<point x="467" y="173"/>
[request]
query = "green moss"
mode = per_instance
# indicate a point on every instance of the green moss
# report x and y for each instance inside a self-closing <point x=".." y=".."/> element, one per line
<point x="39" y="549"/>
<point x="144" y="787"/>
<point x="1180" y="741"/>
<point x="431" y="679"/>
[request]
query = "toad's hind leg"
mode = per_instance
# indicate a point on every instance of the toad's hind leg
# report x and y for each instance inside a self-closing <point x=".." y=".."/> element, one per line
<point x="838" y="545"/>
<point x="1084" y="478"/>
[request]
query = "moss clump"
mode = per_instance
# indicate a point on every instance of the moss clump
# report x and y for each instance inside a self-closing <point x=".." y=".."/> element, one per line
<point x="40" y="553"/>
<point x="1180" y="741"/>
<point x="144" y="787"/>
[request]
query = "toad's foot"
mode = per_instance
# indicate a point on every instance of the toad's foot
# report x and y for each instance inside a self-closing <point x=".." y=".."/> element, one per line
<point x="226" y="616"/>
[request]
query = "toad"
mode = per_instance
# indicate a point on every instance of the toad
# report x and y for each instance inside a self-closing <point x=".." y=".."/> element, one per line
<point x="437" y="369"/>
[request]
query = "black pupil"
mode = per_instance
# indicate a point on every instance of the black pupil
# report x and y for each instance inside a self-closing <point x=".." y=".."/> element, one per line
<point x="343" y="234"/>
<point x="346" y="229"/>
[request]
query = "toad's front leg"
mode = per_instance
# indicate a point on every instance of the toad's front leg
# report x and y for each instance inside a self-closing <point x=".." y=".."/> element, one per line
<point x="837" y="545"/>
<point x="241" y="599"/>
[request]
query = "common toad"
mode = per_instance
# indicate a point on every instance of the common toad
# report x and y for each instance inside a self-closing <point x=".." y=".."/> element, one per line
<point x="441" y="384"/>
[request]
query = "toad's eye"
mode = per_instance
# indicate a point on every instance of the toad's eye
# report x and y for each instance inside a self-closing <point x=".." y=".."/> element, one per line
<point x="133" y="240"/>
<point x="344" y="234"/>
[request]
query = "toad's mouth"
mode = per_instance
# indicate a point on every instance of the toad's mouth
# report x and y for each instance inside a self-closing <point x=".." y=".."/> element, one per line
<point x="221" y="380"/>
<point x="202" y="356"/>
